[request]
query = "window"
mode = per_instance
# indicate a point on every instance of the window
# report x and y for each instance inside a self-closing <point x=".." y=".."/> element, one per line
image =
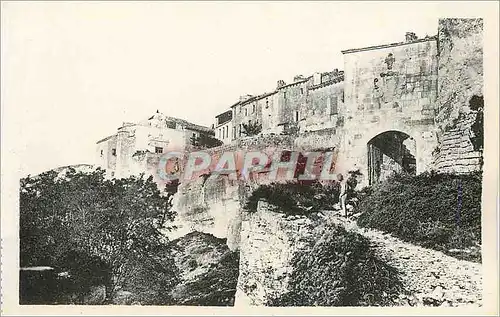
<point x="102" y="152"/>
<point x="267" y="103"/>
<point x="253" y="108"/>
<point x="334" y="107"/>
<point x="301" y="91"/>
<point x="284" y="94"/>
<point x="227" y="131"/>
<point x="331" y="105"/>
<point x="296" y="116"/>
<point x="219" y="133"/>
<point x="246" y="112"/>
<point x="158" y="150"/>
<point x="113" y="152"/>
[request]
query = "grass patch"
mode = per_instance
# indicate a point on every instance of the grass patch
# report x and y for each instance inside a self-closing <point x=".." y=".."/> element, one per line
<point x="437" y="211"/>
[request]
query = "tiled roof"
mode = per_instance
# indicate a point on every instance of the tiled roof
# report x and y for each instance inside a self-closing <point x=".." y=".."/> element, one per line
<point x="188" y="125"/>
<point x="105" y="139"/>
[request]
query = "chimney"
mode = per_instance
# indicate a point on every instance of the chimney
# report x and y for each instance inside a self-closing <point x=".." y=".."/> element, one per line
<point x="280" y="83"/>
<point x="410" y="37"/>
<point x="316" y="78"/>
<point x="298" y="78"/>
<point x="245" y="97"/>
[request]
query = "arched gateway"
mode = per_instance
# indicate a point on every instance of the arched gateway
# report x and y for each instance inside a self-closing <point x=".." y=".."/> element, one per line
<point x="389" y="152"/>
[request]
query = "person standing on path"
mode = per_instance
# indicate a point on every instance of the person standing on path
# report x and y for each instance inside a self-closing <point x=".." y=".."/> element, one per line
<point x="342" y="193"/>
<point x="351" y="184"/>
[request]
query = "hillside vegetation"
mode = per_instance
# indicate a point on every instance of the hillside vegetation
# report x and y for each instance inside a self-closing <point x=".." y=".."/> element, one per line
<point x="85" y="239"/>
<point x="340" y="269"/>
<point x="437" y="211"/>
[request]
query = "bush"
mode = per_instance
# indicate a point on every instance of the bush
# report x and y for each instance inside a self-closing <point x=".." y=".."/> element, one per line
<point x="340" y="269"/>
<point x="217" y="287"/>
<point x="438" y="211"/>
<point x="294" y="198"/>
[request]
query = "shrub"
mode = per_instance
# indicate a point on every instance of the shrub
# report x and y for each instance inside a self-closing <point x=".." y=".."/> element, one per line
<point x="217" y="287"/>
<point x="340" y="269"/>
<point x="438" y="211"/>
<point x="293" y="198"/>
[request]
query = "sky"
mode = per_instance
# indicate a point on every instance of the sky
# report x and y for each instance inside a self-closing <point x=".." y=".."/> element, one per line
<point x="73" y="72"/>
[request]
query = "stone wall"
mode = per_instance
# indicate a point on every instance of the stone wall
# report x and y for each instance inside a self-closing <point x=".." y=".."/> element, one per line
<point x="213" y="205"/>
<point x="460" y="78"/>
<point x="389" y="88"/>
<point x="324" y="106"/>
<point x="106" y="155"/>
<point x="269" y="240"/>
<point x="290" y="100"/>
<point x="247" y="111"/>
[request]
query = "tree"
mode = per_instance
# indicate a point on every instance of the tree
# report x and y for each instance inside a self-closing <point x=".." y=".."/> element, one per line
<point x="118" y="221"/>
<point x="252" y="128"/>
<point x="205" y="141"/>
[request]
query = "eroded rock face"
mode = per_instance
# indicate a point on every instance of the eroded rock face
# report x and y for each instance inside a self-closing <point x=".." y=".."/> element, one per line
<point x="460" y="84"/>
<point x="269" y="240"/>
<point x="211" y="206"/>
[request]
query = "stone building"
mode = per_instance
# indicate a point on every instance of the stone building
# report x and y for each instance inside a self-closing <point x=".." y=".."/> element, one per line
<point x="391" y="103"/>
<point x="136" y="147"/>
<point x="223" y="126"/>
<point x="306" y="104"/>
<point x="324" y="103"/>
<point x="248" y="111"/>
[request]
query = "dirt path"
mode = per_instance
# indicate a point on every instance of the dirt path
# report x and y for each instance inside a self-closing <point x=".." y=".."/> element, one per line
<point x="434" y="278"/>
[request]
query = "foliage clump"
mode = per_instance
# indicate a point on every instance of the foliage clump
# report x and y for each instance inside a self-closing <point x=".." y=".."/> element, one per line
<point x="437" y="211"/>
<point x="65" y="220"/>
<point x="295" y="197"/>
<point x="339" y="269"/>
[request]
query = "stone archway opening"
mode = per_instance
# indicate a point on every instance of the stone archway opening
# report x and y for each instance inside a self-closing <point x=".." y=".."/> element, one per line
<point x="389" y="152"/>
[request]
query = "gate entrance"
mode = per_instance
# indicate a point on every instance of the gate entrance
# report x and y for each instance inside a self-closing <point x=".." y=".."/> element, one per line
<point x="389" y="152"/>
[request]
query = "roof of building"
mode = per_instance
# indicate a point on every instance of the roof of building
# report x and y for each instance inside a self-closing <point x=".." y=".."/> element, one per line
<point x="295" y="83"/>
<point x="186" y="124"/>
<point x="105" y="139"/>
<point x="338" y="79"/>
<point x="354" y="50"/>
<point x="223" y="113"/>
<point x="254" y="98"/>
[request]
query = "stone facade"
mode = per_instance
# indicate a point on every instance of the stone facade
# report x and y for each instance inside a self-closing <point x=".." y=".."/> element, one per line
<point x="223" y="127"/>
<point x="248" y="110"/>
<point x="390" y="88"/>
<point x="136" y="147"/>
